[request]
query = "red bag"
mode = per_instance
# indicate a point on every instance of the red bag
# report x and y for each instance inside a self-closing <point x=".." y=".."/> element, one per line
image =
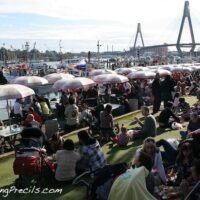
<point x="27" y="166"/>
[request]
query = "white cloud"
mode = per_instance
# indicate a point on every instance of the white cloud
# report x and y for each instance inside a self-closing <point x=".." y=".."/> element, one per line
<point x="160" y="19"/>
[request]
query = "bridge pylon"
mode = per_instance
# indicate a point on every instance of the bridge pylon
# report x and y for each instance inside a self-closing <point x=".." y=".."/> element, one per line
<point x="186" y="14"/>
<point x="139" y="32"/>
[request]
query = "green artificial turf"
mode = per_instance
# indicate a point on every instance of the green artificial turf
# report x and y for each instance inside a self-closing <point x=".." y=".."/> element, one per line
<point x="113" y="153"/>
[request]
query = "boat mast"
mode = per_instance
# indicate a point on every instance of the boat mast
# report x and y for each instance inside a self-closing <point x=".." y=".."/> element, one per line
<point x="60" y="48"/>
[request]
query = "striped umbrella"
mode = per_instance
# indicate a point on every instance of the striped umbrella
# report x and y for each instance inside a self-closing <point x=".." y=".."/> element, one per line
<point x="52" y="78"/>
<point x="141" y="75"/>
<point x="30" y="81"/>
<point x="110" y="79"/>
<point x="73" y="84"/>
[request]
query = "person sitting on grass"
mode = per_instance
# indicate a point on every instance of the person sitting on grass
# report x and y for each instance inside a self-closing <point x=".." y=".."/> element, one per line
<point x="165" y="115"/>
<point x="184" y="109"/>
<point x="56" y="143"/>
<point x="145" y="160"/>
<point x="92" y="156"/>
<point x="149" y="147"/>
<point x="181" y="169"/>
<point x="122" y="139"/>
<point x="148" y="128"/>
<point x="194" y="124"/>
<point x="66" y="160"/>
<point x="31" y="122"/>
<point x="37" y="116"/>
<point x="187" y="191"/>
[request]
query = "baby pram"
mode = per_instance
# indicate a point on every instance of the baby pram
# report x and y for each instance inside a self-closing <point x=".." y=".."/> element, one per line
<point x="99" y="182"/>
<point x="30" y="164"/>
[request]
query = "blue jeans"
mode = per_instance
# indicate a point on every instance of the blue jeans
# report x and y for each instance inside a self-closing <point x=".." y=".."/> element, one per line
<point x="169" y="153"/>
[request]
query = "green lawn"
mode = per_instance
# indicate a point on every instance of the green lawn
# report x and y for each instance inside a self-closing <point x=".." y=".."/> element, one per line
<point x="114" y="155"/>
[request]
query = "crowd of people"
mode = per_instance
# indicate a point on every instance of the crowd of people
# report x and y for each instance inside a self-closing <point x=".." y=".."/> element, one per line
<point x="176" y="165"/>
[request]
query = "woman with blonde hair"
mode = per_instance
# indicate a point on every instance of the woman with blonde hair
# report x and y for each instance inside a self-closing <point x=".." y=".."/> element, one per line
<point x="149" y="147"/>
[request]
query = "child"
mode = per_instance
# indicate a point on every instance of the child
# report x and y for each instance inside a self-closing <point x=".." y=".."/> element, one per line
<point x="122" y="139"/>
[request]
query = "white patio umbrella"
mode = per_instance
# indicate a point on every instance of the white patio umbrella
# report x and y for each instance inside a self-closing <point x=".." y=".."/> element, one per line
<point x="52" y="78"/>
<point x="141" y="75"/>
<point x="14" y="91"/>
<point x="182" y="69"/>
<point x="110" y="79"/>
<point x="139" y="68"/>
<point x="96" y="72"/>
<point x="76" y="83"/>
<point x="162" y="72"/>
<point x="124" y="70"/>
<point x="30" y="81"/>
<point x="167" y="67"/>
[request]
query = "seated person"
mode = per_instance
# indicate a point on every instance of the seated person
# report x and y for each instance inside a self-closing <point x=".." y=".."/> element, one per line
<point x="148" y="128"/>
<point x="122" y="139"/>
<point x="37" y="116"/>
<point x="194" y="192"/>
<point x="186" y="191"/>
<point x="131" y="185"/>
<point x="181" y="169"/>
<point x="193" y="125"/>
<point x="149" y="147"/>
<point x="170" y="152"/>
<point x="32" y="136"/>
<point x="165" y="115"/>
<point x="145" y="160"/>
<point x="184" y="109"/>
<point x="66" y="163"/>
<point x="56" y="143"/>
<point x="92" y="156"/>
<point x="196" y="108"/>
<point x="30" y="122"/>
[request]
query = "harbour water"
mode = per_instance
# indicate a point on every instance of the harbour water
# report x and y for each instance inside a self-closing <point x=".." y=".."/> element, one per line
<point x="3" y="103"/>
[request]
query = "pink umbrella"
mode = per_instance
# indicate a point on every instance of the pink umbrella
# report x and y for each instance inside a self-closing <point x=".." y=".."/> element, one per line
<point x="52" y="78"/>
<point x="124" y="70"/>
<point x="162" y="72"/>
<point x="110" y="79"/>
<point x="30" y="81"/>
<point x="14" y="91"/>
<point x="96" y="72"/>
<point x="73" y="84"/>
<point x="141" y="75"/>
<point x="167" y="67"/>
<point x="182" y="69"/>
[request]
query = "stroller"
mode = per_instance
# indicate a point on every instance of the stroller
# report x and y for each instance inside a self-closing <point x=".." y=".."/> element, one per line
<point x="30" y="164"/>
<point x="100" y="182"/>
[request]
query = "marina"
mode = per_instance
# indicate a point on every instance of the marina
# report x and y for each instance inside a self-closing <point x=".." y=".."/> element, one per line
<point x="88" y="111"/>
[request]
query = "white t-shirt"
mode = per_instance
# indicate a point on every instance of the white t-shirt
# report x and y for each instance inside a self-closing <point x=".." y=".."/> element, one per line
<point x="17" y="108"/>
<point x="66" y="164"/>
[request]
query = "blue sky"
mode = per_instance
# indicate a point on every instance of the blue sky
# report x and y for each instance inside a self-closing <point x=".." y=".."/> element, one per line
<point x="80" y="24"/>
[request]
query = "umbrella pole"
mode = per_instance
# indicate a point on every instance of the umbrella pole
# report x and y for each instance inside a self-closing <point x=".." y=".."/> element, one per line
<point x="8" y="109"/>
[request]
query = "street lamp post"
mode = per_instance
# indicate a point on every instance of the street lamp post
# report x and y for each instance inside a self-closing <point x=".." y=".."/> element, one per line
<point x="27" y="48"/>
<point x="98" y="52"/>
